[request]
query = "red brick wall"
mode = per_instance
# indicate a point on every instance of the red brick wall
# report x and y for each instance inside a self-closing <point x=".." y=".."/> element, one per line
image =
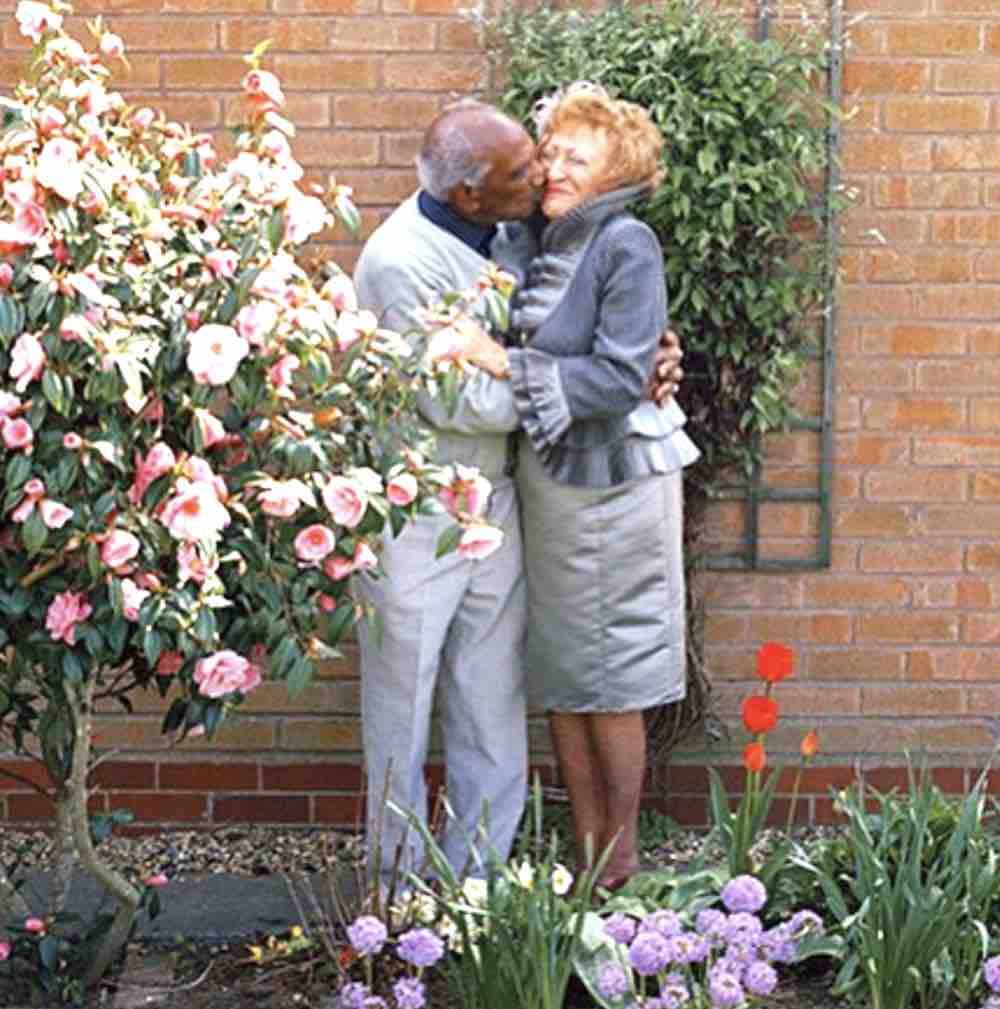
<point x="896" y="642"/>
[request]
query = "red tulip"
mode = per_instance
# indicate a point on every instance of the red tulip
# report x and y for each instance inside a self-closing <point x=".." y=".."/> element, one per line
<point x="754" y="757"/>
<point x="760" y="714"/>
<point x="775" y="662"/>
<point x="810" y="744"/>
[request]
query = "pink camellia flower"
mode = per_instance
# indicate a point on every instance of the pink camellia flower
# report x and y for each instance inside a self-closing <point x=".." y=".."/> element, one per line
<point x="222" y="262"/>
<point x="169" y="664"/>
<point x="59" y="168"/>
<point x="35" y="925"/>
<point x="339" y="291"/>
<point x="157" y="880"/>
<point x="6" y="275"/>
<point x="256" y="321"/>
<point x="17" y="434"/>
<point x="34" y="19"/>
<point x="337" y="568"/>
<point x="314" y="543"/>
<point x="209" y="427"/>
<point x="66" y="611"/>
<point x="195" y="513"/>
<point x="142" y="119"/>
<point x="132" y="599"/>
<point x="27" y="361"/>
<point x="351" y="326"/>
<point x="479" y="541"/>
<point x="54" y="514"/>
<point x="33" y="491"/>
<point x="4" y="951"/>
<point x="111" y="46"/>
<point x="467" y="494"/>
<point x="345" y="500"/>
<point x="119" y="547"/>
<point x="263" y="88"/>
<point x="223" y="673"/>
<point x="280" y="373"/>
<point x="72" y="441"/>
<point x="75" y="327"/>
<point x="402" y="489"/>
<point x="282" y="498"/>
<point x="159" y="461"/>
<point x="304" y="216"/>
<point x="215" y="354"/>
<point x="9" y="403"/>
<point x="364" y="557"/>
<point x="27" y="228"/>
<point x="192" y="566"/>
<point x="50" y="118"/>
<point x="326" y="603"/>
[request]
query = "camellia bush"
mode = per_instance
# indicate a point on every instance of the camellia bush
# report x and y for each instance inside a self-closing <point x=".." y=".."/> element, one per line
<point x="199" y="445"/>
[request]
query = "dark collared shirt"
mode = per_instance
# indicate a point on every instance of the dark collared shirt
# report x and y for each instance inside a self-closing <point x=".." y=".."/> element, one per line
<point x="476" y="236"/>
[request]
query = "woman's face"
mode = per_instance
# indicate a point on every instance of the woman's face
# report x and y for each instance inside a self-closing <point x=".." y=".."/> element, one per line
<point x="575" y="164"/>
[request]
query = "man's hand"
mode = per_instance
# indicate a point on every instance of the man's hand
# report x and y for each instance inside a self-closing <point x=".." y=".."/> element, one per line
<point x="667" y="371"/>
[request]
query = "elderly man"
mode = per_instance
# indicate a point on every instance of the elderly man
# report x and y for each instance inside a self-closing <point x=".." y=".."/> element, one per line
<point x="451" y="624"/>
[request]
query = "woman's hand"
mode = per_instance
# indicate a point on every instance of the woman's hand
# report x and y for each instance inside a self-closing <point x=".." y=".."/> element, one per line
<point x="483" y="351"/>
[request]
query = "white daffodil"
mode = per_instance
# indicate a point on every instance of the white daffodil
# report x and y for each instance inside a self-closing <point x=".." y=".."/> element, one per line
<point x="561" y="880"/>
<point x="525" y="875"/>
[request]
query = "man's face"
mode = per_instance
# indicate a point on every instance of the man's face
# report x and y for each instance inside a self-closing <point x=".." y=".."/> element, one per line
<point x="511" y="188"/>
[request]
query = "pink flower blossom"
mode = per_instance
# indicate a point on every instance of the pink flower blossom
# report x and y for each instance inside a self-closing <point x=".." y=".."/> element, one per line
<point x="283" y="498"/>
<point x="263" y="88"/>
<point x="352" y="326"/>
<point x="280" y="373"/>
<point x="34" y="19"/>
<point x="50" y="118"/>
<point x="210" y="429"/>
<point x="111" y="46"/>
<point x="17" y="434"/>
<point x="142" y="119"/>
<point x="157" y="880"/>
<point x="159" y="461"/>
<point x="222" y="262"/>
<point x="337" y="568"/>
<point x="28" y="226"/>
<point x="4" y="951"/>
<point x="195" y="513"/>
<point x="9" y="404"/>
<point x="345" y="500"/>
<point x="66" y="611"/>
<point x="192" y="566"/>
<point x="339" y="291"/>
<point x="402" y="489"/>
<point x="468" y="493"/>
<point x="479" y="541"/>
<point x="119" y="547"/>
<point x="6" y="275"/>
<point x="59" y="168"/>
<point x="27" y="361"/>
<point x="256" y="321"/>
<point x="132" y="599"/>
<point x="54" y="514"/>
<point x="35" y="925"/>
<point x="304" y="216"/>
<point x="72" y="441"/>
<point x="223" y="673"/>
<point x="215" y="354"/>
<point x="364" y="557"/>
<point x="314" y="543"/>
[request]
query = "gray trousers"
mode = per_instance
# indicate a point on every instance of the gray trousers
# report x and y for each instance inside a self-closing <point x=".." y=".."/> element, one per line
<point x="456" y="626"/>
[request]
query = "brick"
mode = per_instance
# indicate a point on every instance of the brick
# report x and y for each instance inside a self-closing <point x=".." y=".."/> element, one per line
<point x="967" y="77"/>
<point x="911" y="340"/>
<point x="859" y="592"/>
<point x="933" y="37"/>
<point x="459" y="74"/>
<point x="891" y="77"/>
<point x="968" y="228"/>
<point x="865" y="375"/>
<point x="325" y="6"/>
<point x="984" y="414"/>
<point x="314" y="777"/>
<point x="985" y="486"/>
<point x="914" y="414"/>
<point x="422" y="6"/>
<point x="980" y="301"/>
<point x="993" y="39"/>
<point x="384" y="111"/>
<point x="891" y="8"/>
<point x="967" y="375"/>
<point x="930" y="191"/>
<point x="872" y="522"/>
<point x="886" y="226"/>
<point x="188" y="7"/>
<point x="380" y="185"/>
<point x="726" y="590"/>
<point x="200" y="111"/>
<point x="297" y="34"/>
<point x="965" y="7"/>
<point x="870" y="449"/>
<point x="855" y="664"/>
<point x="859" y="301"/>
<point x="904" y="628"/>
<point x="321" y="734"/>
<point x="210" y="72"/>
<point x="327" y="73"/>
<point x="115" y="774"/>
<point x="901" y="700"/>
<point x="29" y="770"/>
<point x="383" y="35"/>
<point x="980" y="628"/>
<point x="261" y="809"/>
<point x="819" y="628"/>
<point x="905" y="555"/>
<point x="935" y="115"/>
<point x="161" y="807"/>
<point x="401" y="149"/>
<point x="909" y="485"/>
<point x="167" y="34"/>
<point x="339" y="810"/>
<point x="304" y="110"/>
<point x="988" y="266"/>
<point x="725" y="628"/>
<point x="984" y="340"/>
<point x="957" y="450"/>
<point x="336" y="149"/>
<point x="205" y="776"/>
<point x="966" y="153"/>
<point x="983" y="557"/>
<point x="459" y="35"/>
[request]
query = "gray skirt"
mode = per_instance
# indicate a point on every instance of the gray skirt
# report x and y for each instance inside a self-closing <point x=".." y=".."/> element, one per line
<point x="605" y="580"/>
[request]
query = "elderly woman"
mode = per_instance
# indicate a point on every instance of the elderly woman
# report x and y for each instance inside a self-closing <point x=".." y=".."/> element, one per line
<point x="599" y="468"/>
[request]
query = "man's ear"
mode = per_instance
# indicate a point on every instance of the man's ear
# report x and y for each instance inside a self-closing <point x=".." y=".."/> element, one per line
<point x="465" y="200"/>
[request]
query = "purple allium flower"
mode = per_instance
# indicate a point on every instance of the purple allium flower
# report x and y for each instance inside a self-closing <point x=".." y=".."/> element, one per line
<point x="725" y="991"/>
<point x="760" y="978"/>
<point x="743" y="927"/>
<point x="674" y="991"/>
<point x="421" y="947"/>
<point x="992" y="1002"/>
<point x="667" y="923"/>
<point x="612" y="981"/>
<point x="744" y="893"/>
<point x="688" y="947"/>
<point x="991" y="973"/>
<point x="649" y="953"/>
<point x="620" y="927"/>
<point x="367" y="935"/>
<point x="375" y="1002"/>
<point x="409" y="993"/>
<point x="777" y="946"/>
<point x="712" y="925"/>
<point x="353" y="995"/>
<point x="804" y="923"/>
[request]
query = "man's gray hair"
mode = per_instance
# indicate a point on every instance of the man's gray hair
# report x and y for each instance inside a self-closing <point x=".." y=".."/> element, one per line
<point x="452" y="153"/>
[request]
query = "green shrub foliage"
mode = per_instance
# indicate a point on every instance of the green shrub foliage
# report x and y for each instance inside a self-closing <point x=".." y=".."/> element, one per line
<point x="738" y="213"/>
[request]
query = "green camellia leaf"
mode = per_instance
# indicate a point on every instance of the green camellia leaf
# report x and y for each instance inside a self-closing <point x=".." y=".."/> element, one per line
<point x="448" y="540"/>
<point x="34" y="533"/>
<point x="52" y="388"/>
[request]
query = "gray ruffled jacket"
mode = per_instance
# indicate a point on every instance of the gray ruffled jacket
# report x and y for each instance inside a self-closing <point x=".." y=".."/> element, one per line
<point x="591" y="315"/>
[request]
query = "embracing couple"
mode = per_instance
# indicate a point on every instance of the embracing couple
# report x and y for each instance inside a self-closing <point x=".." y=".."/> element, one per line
<point x="581" y="611"/>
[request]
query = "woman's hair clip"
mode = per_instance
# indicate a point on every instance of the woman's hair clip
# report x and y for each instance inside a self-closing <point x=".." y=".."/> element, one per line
<point x="542" y="109"/>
